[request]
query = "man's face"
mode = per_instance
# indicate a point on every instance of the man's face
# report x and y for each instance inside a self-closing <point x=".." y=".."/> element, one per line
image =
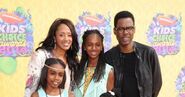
<point x="124" y="31"/>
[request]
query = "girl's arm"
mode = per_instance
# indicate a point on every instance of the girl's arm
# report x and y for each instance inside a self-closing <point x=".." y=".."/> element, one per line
<point x="110" y="81"/>
<point x="34" y="94"/>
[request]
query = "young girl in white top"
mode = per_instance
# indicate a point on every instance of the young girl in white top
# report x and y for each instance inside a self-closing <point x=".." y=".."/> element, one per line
<point x="52" y="80"/>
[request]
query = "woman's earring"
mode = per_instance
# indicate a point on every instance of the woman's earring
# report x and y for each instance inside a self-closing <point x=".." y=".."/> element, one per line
<point x="55" y="46"/>
<point x="71" y="47"/>
<point x="54" y="43"/>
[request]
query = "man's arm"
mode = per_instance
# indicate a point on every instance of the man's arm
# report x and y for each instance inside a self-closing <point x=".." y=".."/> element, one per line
<point x="156" y="74"/>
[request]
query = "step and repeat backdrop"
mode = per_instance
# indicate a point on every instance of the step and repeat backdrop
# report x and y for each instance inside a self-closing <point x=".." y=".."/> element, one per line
<point x="25" y="23"/>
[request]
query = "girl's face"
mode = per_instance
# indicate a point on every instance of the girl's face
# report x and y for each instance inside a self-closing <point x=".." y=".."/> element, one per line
<point x="93" y="46"/>
<point x="63" y="37"/>
<point x="55" y="75"/>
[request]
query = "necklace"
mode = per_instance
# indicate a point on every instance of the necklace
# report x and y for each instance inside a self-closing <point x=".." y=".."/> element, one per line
<point x="88" y="77"/>
<point x="59" y="93"/>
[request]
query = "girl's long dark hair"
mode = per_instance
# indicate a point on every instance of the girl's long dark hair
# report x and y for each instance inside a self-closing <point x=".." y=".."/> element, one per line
<point x="48" y="44"/>
<point x="100" y="67"/>
<point x="44" y="73"/>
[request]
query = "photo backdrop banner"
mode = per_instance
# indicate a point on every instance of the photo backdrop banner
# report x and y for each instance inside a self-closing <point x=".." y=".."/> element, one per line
<point x="25" y="23"/>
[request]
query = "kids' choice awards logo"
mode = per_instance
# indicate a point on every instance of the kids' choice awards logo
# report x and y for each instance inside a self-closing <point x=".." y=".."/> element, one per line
<point x="180" y="83"/>
<point x="87" y="21"/>
<point x="16" y="38"/>
<point x="164" y="34"/>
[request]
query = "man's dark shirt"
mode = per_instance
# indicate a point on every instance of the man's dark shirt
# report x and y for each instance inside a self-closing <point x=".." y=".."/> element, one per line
<point x="129" y="85"/>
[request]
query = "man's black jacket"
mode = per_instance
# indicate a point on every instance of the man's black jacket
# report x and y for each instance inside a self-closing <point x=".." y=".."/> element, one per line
<point x="147" y="72"/>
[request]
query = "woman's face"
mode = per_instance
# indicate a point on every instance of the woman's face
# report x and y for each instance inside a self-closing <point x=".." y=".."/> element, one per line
<point x="55" y="75"/>
<point x="63" y="37"/>
<point x="93" y="46"/>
